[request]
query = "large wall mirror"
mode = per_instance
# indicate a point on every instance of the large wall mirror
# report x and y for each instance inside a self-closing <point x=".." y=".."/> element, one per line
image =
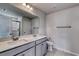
<point x="4" y="26"/>
<point x="9" y="26"/>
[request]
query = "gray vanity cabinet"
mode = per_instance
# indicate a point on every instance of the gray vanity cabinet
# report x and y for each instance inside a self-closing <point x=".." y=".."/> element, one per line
<point x="38" y="50"/>
<point x="18" y="50"/>
<point x="41" y="47"/>
<point x="44" y="48"/>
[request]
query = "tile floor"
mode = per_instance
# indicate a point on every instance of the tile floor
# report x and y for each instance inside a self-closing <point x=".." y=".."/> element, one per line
<point x="56" y="52"/>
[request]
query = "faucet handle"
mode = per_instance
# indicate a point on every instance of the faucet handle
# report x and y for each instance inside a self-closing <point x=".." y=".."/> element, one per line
<point x="10" y="34"/>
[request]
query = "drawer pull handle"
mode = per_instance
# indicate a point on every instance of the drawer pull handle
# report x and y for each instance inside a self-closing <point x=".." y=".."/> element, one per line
<point x="23" y="54"/>
<point x="42" y="44"/>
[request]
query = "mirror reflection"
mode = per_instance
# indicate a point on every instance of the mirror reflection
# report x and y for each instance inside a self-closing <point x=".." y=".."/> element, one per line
<point x="11" y="27"/>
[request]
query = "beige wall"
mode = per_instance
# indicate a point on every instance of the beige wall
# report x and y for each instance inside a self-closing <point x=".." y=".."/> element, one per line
<point x="64" y="38"/>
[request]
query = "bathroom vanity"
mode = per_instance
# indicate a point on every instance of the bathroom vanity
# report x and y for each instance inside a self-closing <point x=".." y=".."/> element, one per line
<point x="23" y="25"/>
<point x="25" y="46"/>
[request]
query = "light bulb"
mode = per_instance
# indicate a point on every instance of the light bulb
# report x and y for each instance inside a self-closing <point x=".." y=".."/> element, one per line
<point x="31" y="8"/>
<point x="28" y="6"/>
<point x="24" y="4"/>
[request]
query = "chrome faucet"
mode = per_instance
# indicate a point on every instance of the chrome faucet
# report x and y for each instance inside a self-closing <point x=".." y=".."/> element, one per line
<point x="14" y="37"/>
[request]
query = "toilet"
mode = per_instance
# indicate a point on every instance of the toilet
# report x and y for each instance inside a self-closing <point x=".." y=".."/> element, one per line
<point x="50" y="45"/>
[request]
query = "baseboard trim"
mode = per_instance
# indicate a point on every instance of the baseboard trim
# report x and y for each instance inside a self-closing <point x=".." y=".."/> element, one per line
<point x="67" y="51"/>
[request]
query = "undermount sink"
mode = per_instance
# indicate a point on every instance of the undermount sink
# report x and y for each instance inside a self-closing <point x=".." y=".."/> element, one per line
<point x="23" y="40"/>
<point x="34" y="35"/>
<point x="12" y="42"/>
<point x="18" y="41"/>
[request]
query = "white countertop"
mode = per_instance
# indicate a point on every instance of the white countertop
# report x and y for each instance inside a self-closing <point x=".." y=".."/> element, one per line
<point x="5" y="45"/>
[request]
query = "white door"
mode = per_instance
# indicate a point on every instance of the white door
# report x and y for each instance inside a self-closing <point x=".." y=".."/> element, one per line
<point x="35" y="25"/>
<point x="26" y="26"/>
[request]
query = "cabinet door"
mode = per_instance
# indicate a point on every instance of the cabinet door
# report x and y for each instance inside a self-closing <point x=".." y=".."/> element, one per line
<point x="44" y="48"/>
<point x="38" y="50"/>
<point x="30" y="52"/>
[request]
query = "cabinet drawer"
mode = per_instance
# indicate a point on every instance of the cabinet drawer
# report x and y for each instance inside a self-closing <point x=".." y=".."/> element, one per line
<point x="41" y="40"/>
<point x="30" y="52"/>
<point x="17" y="50"/>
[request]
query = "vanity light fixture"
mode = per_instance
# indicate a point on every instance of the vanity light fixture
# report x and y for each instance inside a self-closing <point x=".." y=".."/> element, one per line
<point x="28" y="6"/>
<point x="24" y="4"/>
<point x="31" y="8"/>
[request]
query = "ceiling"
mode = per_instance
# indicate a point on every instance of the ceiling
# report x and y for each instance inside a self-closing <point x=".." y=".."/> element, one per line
<point x="53" y="7"/>
<point x="10" y="7"/>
